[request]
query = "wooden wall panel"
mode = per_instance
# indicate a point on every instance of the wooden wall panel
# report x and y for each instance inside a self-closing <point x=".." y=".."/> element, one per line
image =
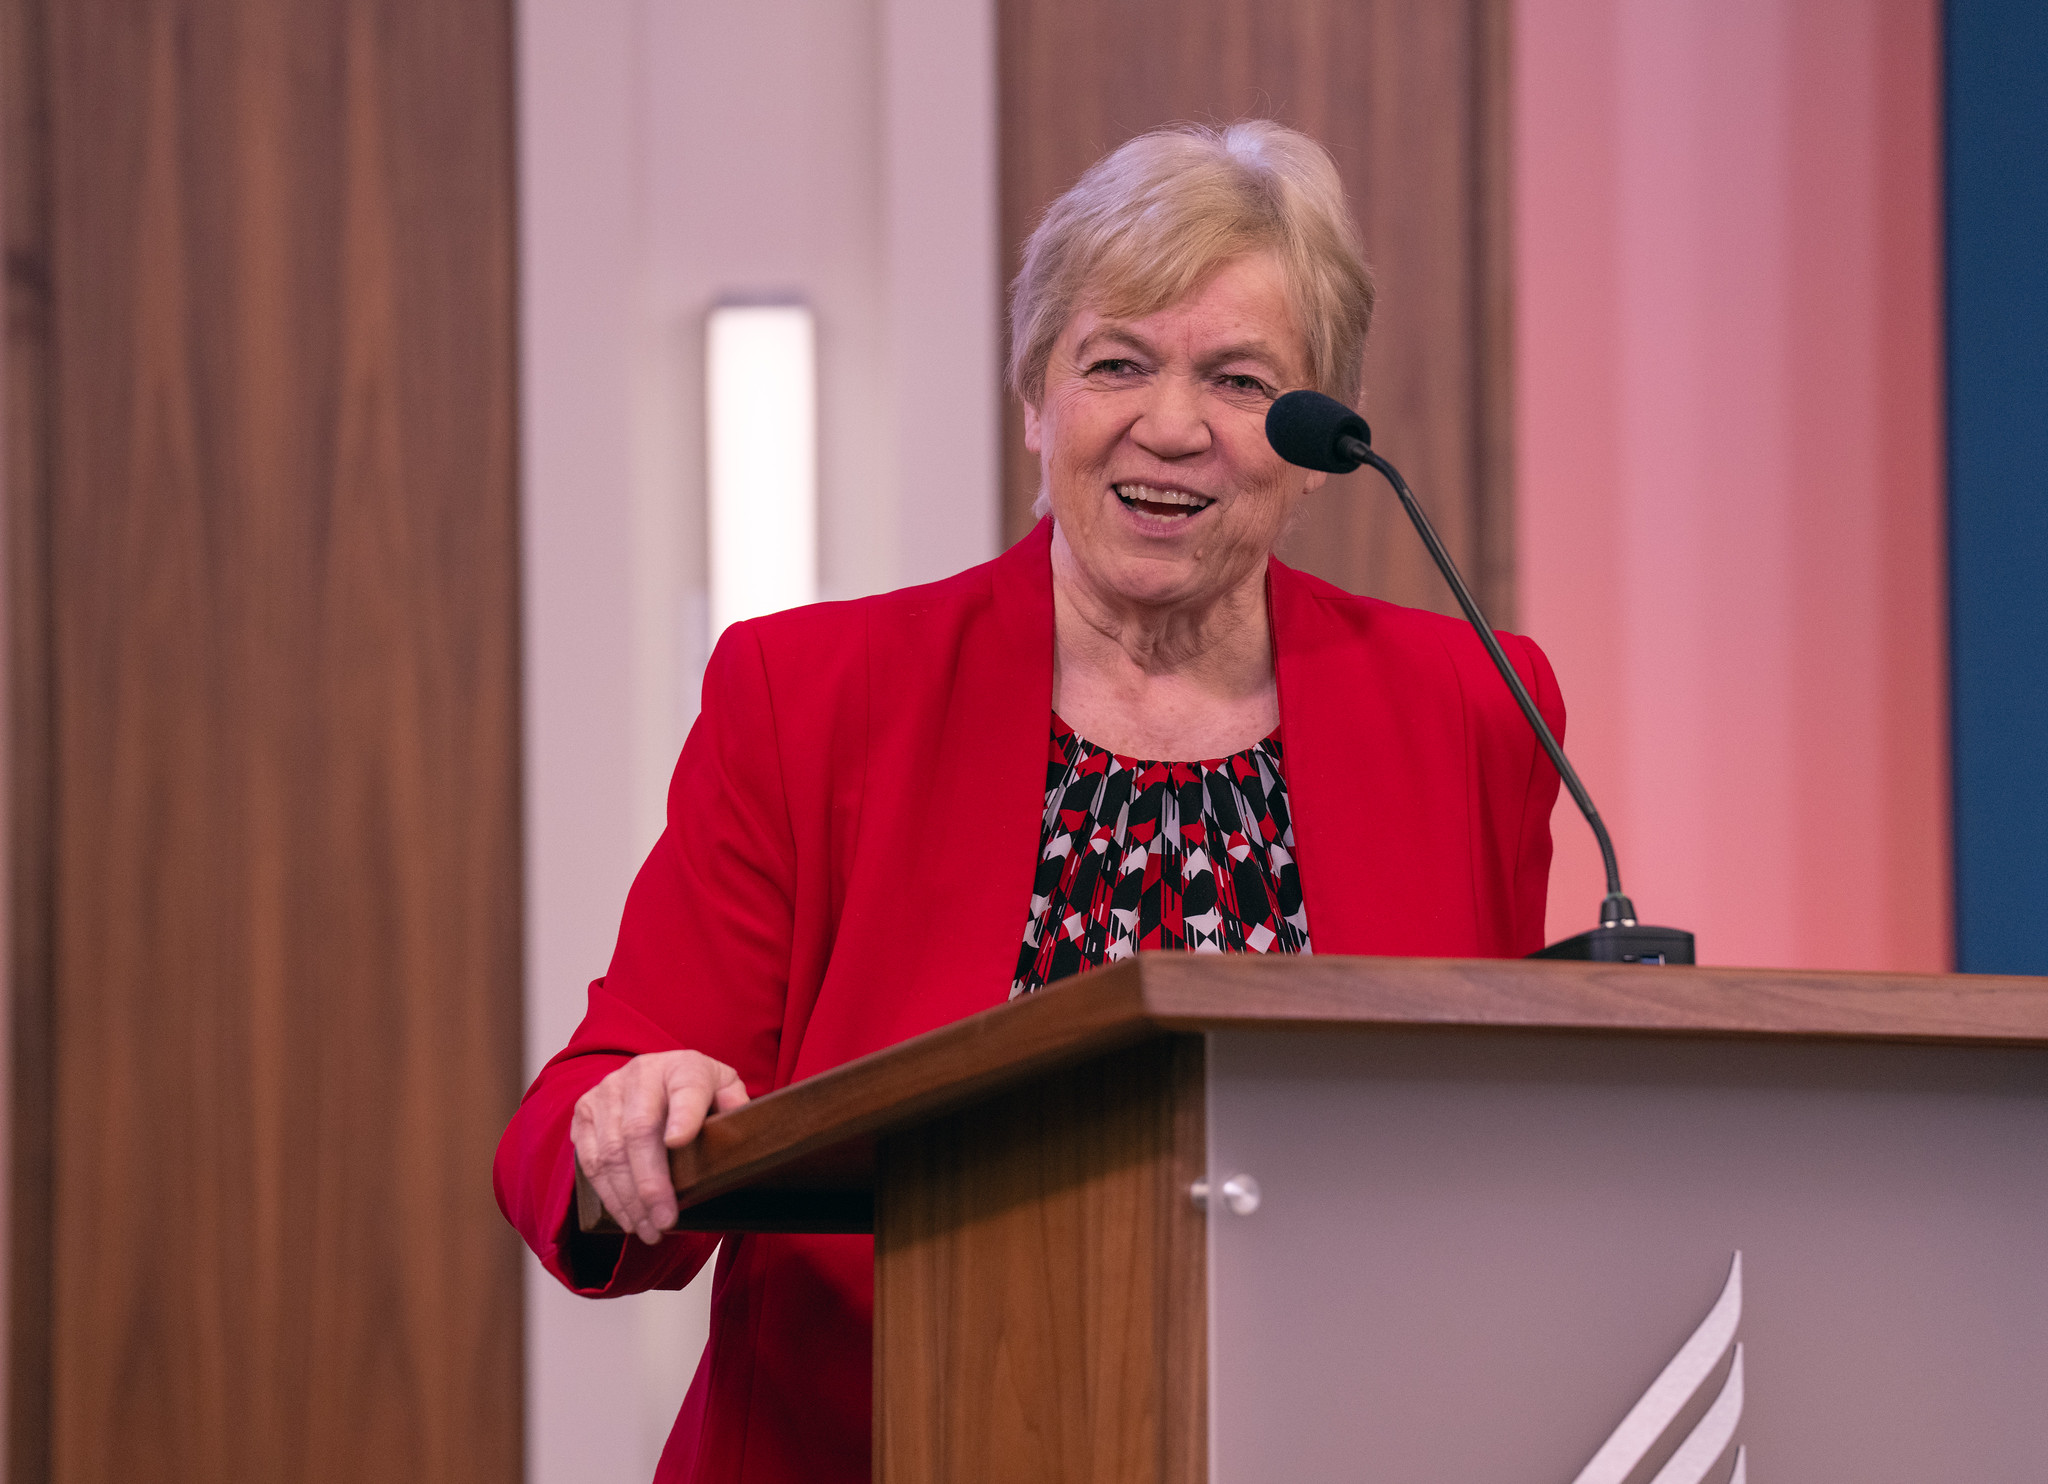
<point x="261" y="439"/>
<point x="1410" y="97"/>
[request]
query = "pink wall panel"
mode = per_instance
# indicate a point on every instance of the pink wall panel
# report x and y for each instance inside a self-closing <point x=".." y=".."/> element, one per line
<point x="1729" y="462"/>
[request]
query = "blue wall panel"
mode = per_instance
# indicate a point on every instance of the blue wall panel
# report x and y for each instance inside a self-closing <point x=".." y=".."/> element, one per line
<point x="1997" y="189"/>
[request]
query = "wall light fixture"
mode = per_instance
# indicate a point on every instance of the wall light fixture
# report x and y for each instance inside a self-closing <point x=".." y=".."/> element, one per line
<point x="762" y="385"/>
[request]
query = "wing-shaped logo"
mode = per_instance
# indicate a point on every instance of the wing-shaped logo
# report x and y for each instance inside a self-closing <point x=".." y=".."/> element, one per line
<point x="1683" y="1381"/>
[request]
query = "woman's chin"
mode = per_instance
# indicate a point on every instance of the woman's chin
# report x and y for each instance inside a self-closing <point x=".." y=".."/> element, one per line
<point x="1154" y="561"/>
<point x="1157" y="580"/>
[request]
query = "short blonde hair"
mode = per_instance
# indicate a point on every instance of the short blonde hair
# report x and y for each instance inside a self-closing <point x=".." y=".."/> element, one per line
<point x="1154" y="219"/>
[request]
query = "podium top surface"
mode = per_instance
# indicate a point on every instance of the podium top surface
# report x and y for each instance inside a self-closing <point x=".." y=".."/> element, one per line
<point x="818" y="1135"/>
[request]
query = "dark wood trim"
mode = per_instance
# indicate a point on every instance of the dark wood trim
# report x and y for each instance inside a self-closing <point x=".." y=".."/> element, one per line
<point x="1493" y="313"/>
<point x="1183" y="1292"/>
<point x="819" y="1134"/>
<point x="755" y="1209"/>
<point x="30" y="756"/>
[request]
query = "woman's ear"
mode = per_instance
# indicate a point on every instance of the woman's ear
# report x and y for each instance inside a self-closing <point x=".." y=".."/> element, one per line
<point x="1315" y="481"/>
<point x="1032" y="440"/>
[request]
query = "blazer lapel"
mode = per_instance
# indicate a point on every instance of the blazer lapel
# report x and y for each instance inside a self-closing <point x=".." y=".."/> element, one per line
<point x="1374" y="760"/>
<point x="990" y="770"/>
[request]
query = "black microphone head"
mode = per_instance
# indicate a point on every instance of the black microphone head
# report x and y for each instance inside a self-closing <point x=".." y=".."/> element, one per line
<point x="1304" y="428"/>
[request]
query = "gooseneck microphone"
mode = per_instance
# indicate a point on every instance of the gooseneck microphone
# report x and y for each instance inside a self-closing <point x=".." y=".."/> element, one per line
<point x="1313" y="431"/>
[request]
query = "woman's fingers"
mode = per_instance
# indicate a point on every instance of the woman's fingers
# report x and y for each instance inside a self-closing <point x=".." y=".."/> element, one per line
<point x="603" y="1141"/>
<point x="601" y="1130"/>
<point x="697" y="1085"/>
<point x="624" y="1127"/>
<point x="732" y="1093"/>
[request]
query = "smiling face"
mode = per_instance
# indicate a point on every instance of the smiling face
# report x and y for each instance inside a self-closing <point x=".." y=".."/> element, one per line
<point x="1151" y="435"/>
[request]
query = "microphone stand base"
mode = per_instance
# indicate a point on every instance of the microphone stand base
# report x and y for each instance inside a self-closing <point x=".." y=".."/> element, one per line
<point x="1625" y="945"/>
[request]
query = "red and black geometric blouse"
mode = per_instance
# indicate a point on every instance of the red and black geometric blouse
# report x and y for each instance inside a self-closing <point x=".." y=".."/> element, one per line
<point x="1159" y="855"/>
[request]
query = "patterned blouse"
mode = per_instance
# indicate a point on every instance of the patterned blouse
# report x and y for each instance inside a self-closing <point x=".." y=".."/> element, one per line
<point x="1159" y="855"/>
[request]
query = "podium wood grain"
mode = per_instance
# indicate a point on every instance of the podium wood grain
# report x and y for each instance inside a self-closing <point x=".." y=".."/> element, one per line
<point x="1039" y="1273"/>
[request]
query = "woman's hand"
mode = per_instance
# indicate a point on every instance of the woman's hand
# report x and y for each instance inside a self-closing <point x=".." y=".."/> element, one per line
<point x="624" y="1127"/>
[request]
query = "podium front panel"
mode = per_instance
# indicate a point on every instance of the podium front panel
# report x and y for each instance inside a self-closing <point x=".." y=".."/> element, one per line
<point x="1472" y="1254"/>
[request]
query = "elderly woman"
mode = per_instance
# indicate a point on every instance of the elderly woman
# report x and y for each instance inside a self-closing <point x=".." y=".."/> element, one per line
<point x="1133" y="730"/>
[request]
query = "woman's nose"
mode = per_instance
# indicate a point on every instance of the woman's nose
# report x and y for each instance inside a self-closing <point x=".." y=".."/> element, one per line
<point x="1173" y="424"/>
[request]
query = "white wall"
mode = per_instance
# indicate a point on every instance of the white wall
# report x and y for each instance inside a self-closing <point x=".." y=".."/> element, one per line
<point x="672" y="154"/>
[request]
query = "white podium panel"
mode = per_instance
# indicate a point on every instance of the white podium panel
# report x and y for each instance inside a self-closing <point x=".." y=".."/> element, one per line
<point x="1471" y="1256"/>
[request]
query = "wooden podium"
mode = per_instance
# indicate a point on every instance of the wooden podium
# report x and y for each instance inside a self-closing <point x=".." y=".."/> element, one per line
<point x="1197" y="1217"/>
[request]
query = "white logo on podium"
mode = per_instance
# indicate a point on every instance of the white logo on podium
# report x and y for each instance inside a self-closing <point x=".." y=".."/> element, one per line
<point x="1682" y="1383"/>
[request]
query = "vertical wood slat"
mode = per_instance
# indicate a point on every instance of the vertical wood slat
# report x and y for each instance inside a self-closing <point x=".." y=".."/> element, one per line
<point x="1041" y="1282"/>
<point x="282" y="860"/>
<point x="30" y="765"/>
<point x="1410" y="96"/>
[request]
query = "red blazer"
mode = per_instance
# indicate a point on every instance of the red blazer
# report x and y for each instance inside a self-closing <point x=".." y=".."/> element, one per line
<point x="852" y="831"/>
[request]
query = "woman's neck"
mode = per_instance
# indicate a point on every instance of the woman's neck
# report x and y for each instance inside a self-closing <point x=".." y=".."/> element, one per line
<point x="1175" y="682"/>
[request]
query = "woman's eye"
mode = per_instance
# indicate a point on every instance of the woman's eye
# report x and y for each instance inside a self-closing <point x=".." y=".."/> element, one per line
<point x="1113" y="366"/>
<point x="1245" y="383"/>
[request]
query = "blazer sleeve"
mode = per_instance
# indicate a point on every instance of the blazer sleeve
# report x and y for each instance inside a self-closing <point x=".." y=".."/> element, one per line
<point x="702" y="963"/>
<point x="1531" y="880"/>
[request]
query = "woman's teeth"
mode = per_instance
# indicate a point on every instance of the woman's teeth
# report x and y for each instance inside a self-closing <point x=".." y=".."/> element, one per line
<point x="1173" y="504"/>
